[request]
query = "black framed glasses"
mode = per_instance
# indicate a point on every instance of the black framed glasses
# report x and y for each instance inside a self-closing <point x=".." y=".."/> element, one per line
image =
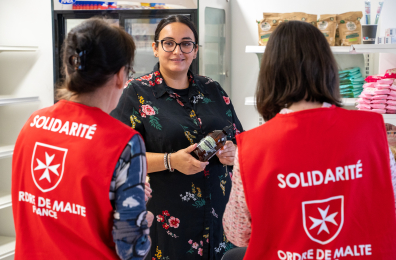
<point x="130" y="72"/>
<point x="170" y="46"/>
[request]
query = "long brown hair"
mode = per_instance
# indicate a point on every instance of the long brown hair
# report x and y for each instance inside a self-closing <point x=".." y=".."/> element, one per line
<point x="297" y="64"/>
<point x="92" y="52"/>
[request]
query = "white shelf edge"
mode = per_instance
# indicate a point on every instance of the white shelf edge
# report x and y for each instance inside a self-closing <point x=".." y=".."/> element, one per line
<point x="5" y="200"/>
<point x="249" y="101"/>
<point x="354" y="49"/>
<point x="7" y="100"/>
<point x="6" y="151"/>
<point x="7" y="246"/>
<point x="18" y="48"/>
<point x="374" y="48"/>
<point x="348" y="101"/>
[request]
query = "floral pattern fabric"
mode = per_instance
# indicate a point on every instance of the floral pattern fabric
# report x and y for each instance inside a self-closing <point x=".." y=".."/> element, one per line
<point x="170" y="120"/>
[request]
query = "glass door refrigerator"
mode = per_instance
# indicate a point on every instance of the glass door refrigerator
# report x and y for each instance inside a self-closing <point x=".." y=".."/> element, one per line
<point x="140" y="24"/>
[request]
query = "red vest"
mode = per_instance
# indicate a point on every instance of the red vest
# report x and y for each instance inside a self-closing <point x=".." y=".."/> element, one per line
<point x="62" y="167"/>
<point x="318" y="186"/>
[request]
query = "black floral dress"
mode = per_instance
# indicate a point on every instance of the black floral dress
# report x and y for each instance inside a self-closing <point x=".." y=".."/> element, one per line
<point x="188" y="210"/>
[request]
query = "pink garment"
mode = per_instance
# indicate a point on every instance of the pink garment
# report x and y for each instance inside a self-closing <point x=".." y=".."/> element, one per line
<point x="237" y="218"/>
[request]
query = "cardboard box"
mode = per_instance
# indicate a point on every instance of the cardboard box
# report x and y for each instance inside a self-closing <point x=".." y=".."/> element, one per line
<point x="380" y="40"/>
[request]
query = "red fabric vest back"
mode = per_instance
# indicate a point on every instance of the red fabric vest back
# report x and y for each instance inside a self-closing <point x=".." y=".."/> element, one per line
<point x="318" y="186"/>
<point x="62" y="167"/>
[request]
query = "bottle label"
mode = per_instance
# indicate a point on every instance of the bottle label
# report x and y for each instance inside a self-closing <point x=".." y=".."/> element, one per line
<point x="208" y="144"/>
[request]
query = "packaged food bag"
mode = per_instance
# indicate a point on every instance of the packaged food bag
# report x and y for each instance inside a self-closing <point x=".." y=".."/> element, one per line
<point x="266" y="26"/>
<point x="300" y="16"/>
<point x="327" y="24"/>
<point x="350" y="28"/>
<point x="337" y="37"/>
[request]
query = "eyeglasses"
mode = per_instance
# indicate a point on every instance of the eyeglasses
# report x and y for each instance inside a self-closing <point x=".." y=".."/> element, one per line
<point x="170" y="46"/>
<point x="130" y="71"/>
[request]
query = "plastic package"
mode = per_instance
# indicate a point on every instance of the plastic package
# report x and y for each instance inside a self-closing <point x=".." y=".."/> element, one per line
<point x="368" y="85"/>
<point x="378" y="106"/>
<point x="391" y="102"/>
<point x="363" y="101"/>
<point x="391" y="107"/>
<point x="378" y="101"/>
<point x="382" y="91"/>
<point x="381" y="111"/>
<point x="361" y="109"/>
<point x="383" y="86"/>
<point x="379" y="97"/>
<point x="366" y="96"/>
<point x="392" y="87"/>
<point x="390" y="111"/>
<point x="385" y="81"/>
<point x="392" y="93"/>
<point x="364" y="106"/>
<point x="391" y="98"/>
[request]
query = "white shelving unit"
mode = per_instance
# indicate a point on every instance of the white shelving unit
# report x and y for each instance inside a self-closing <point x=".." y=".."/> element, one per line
<point x="250" y="101"/>
<point x="18" y="48"/>
<point x="5" y="200"/>
<point x="6" y="151"/>
<point x="7" y="242"/>
<point x="9" y="100"/>
<point x="7" y="246"/>
<point x="354" y="49"/>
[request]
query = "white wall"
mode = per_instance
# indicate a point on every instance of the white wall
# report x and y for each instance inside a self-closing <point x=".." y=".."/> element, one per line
<point x="244" y="14"/>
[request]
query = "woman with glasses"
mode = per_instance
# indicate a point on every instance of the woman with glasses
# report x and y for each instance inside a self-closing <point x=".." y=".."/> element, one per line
<point x="173" y="109"/>
<point x="78" y="174"/>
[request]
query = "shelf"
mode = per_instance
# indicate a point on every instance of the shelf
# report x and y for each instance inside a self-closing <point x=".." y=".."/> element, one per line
<point x="373" y="48"/>
<point x="5" y="200"/>
<point x="354" y="49"/>
<point x="18" y="48"/>
<point x="348" y="101"/>
<point x="7" y="100"/>
<point x="6" y="151"/>
<point x="250" y="101"/>
<point x="7" y="246"/>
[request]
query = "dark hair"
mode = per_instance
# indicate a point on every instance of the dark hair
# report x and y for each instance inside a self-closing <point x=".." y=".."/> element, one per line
<point x="92" y="52"/>
<point x="297" y="64"/>
<point x="175" y="19"/>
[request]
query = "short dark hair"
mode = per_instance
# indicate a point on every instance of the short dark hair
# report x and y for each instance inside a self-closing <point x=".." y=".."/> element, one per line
<point x="175" y="19"/>
<point x="104" y="49"/>
<point x="297" y="64"/>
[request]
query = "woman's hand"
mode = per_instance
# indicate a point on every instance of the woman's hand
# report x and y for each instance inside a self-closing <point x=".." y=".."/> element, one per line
<point x="185" y="163"/>
<point x="227" y="153"/>
<point x="149" y="218"/>
<point x="147" y="191"/>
